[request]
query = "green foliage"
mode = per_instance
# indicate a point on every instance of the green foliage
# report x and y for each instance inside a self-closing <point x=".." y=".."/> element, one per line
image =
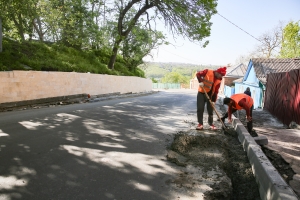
<point x="120" y="32"/>
<point x="17" y="17"/>
<point x="33" y="55"/>
<point x="154" y="80"/>
<point x="159" y="70"/>
<point x="175" y="77"/>
<point x="190" y="19"/>
<point x="155" y="72"/>
<point x="138" y="44"/>
<point x="291" y="41"/>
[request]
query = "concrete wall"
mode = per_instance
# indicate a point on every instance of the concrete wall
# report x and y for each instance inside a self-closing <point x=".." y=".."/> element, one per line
<point x="29" y="85"/>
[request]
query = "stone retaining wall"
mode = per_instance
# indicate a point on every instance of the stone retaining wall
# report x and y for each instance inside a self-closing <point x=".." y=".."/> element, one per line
<point x="29" y="85"/>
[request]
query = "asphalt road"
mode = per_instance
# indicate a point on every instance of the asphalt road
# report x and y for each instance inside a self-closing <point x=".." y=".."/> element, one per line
<point x="114" y="149"/>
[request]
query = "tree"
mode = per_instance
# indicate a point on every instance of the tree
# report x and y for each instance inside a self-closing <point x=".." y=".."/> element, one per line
<point x="138" y="44"/>
<point x="0" y="34"/>
<point x="270" y="43"/>
<point x="190" y="18"/>
<point x="18" y="17"/>
<point x="269" y="47"/>
<point x="175" y="77"/>
<point x="291" y="41"/>
<point x="154" y="80"/>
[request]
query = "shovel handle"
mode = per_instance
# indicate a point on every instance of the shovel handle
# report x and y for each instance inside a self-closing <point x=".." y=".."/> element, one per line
<point x="213" y="106"/>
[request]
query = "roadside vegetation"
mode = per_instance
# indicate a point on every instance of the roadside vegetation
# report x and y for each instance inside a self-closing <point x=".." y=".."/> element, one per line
<point x="113" y="36"/>
<point x="172" y="72"/>
<point x="106" y="36"/>
<point x="46" y="56"/>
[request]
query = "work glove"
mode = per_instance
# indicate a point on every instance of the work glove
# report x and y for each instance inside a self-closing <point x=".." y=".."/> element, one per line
<point x="249" y="118"/>
<point x="201" y="84"/>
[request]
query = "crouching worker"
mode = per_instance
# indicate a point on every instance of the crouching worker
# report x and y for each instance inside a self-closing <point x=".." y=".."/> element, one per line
<point x="239" y="102"/>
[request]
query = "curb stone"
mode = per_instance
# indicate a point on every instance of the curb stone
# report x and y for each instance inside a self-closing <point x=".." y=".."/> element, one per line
<point x="65" y="100"/>
<point x="271" y="184"/>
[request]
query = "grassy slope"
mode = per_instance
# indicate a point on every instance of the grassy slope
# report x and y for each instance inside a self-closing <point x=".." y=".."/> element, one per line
<point x="33" y="55"/>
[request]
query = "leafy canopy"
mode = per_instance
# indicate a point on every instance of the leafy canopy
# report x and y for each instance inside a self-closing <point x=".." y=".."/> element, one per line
<point x="291" y="41"/>
<point x="189" y="18"/>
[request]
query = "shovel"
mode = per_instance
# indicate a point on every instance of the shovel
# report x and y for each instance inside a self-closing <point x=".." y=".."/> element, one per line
<point x="213" y="106"/>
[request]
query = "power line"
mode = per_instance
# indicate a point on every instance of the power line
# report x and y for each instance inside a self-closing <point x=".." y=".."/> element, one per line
<point x="239" y="27"/>
<point x="244" y="30"/>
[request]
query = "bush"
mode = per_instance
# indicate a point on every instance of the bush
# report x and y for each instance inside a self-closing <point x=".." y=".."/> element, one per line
<point x="41" y="56"/>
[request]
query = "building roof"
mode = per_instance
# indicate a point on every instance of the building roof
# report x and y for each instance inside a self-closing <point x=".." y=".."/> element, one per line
<point x="264" y="66"/>
<point x="240" y="80"/>
<point x="236" y="71"/>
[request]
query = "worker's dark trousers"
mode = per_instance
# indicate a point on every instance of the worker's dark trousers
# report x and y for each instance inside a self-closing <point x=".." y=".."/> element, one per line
<point x="249" y="124"/>
<point x="201" y="100"/>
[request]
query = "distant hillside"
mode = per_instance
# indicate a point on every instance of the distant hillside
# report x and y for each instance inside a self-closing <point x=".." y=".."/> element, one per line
<point x="157" y="70"/>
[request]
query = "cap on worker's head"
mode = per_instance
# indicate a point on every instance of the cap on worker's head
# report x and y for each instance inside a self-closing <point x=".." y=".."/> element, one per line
<point x="226" y="100"/>
<point x="222" y="71"/>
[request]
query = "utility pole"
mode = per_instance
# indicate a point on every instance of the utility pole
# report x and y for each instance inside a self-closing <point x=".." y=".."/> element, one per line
<point x="0" y="35"/>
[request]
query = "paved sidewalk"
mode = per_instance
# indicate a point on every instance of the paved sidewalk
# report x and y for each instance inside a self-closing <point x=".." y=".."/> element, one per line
<point x="286" y="142"/>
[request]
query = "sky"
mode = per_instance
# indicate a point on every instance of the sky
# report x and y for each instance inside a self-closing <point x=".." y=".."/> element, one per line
<point x="227" y="41"/>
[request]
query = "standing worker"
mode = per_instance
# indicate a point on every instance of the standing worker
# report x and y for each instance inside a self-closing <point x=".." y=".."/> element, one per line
<point x="209" y="80"/>
<point x="239" y="102"/>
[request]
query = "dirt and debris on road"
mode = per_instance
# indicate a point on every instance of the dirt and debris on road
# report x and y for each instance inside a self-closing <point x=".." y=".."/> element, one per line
<point x="224" y="169"/>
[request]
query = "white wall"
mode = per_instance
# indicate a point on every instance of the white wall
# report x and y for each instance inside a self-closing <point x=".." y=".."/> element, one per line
<point x="29" y="85"/>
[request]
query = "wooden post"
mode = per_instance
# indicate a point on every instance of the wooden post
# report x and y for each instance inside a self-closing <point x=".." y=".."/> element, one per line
<point x="0" y="35"/>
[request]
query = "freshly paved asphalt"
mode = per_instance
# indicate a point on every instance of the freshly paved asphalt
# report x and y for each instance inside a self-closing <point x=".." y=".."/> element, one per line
<point x="112" y="149"/>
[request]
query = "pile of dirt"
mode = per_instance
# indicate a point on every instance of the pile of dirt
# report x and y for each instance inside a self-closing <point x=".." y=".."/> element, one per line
<point x="222" y="151"/>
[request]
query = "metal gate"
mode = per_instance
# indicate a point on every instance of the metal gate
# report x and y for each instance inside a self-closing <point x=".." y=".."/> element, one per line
<point x="282" y="97"/>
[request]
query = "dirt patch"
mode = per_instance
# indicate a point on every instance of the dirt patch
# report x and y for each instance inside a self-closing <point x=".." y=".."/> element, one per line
<point x="223" y="154"/>
<point x="280" y="164"/>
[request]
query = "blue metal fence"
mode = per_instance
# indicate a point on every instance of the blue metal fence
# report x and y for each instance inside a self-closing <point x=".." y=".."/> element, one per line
<point x="165" y="85"/>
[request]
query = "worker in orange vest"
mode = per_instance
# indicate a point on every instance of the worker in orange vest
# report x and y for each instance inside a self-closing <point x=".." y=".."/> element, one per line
<point x="239" y="102"/>
<point x="209" y="80"/>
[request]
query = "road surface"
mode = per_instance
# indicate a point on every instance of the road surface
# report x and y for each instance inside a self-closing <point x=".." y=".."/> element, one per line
<point x="114" y="149"/>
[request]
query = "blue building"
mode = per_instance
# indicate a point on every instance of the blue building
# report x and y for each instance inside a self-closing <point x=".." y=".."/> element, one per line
<point x="233" y="74"/>
<point x="256" y="76"/>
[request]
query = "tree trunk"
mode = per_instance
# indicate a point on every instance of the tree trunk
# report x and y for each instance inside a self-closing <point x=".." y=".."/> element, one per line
<point x="112" y="60"/>
<point x="38" y="28"/>
<point x="19" y="26"/>
<point x="0" y="35"/>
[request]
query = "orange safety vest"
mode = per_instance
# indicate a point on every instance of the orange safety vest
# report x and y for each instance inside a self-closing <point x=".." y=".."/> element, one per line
<point x="209" y="82"/>
<point x="237" y="97"/>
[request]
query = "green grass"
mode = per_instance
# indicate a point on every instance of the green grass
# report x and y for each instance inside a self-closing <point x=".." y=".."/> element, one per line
<point x="39" y="56"/>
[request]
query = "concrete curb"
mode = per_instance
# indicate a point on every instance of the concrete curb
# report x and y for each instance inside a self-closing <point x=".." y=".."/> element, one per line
<point x="271" y="184"/>
<point x="65" y="100"/>
<point x="35" y="102"/>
